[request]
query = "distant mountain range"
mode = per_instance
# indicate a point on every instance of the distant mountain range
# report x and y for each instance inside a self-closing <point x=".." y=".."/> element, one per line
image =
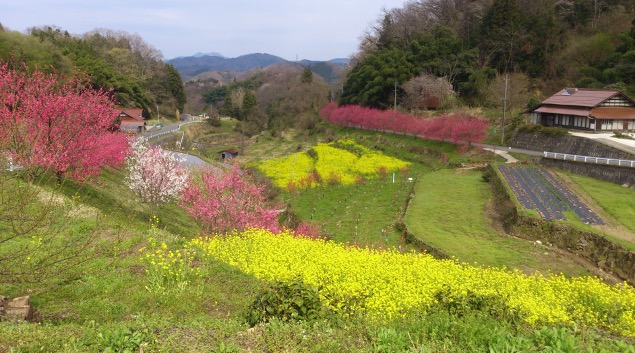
<point x="203" y="62"/>
<point x="199" y="54"/>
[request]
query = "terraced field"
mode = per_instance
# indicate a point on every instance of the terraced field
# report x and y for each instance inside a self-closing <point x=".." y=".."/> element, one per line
<point x="539" y="190"/>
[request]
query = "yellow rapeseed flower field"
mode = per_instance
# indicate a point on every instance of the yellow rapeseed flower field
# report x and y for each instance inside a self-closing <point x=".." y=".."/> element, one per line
<point x="388" y="284"/>
<point x="345" y="165"/>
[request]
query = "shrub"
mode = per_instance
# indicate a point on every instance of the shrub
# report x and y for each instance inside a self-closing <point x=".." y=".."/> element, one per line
<point x="214" y="121"/>
<point x="154" y="174"/>
<point x="551" y="131"/>
<point x="291" y="300"/>
<point x="620" y="135"/>
<point x="225" y="200"/>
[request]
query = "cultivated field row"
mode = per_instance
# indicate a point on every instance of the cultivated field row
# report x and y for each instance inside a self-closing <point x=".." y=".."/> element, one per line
<point x="538" y="189"/>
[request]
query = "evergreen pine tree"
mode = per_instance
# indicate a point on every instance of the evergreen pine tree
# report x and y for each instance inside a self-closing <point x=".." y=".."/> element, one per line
<point x="175" y="84"/>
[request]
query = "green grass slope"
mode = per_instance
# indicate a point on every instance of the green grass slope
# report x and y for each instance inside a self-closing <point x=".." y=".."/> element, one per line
<point x="104" y="304"/>
<point x="449" y="212"/>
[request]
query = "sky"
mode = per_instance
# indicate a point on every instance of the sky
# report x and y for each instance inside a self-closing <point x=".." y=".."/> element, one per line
<point x="302" y="29"/>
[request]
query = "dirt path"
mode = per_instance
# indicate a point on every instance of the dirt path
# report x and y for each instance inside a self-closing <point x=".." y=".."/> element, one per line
<point x="503" y="154"/>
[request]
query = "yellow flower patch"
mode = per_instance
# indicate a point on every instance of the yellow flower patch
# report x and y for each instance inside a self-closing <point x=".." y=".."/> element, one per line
<point x="344" y="162"/>
<point x="388" y="284"/>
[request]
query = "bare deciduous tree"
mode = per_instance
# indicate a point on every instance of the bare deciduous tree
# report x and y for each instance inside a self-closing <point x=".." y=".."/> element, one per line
<point x="426" y="91"/>
<point x="42" y="233"/>
<point x="518" y="91"/>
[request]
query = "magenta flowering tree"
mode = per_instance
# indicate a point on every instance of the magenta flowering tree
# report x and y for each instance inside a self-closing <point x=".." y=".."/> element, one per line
<point x="155" y="175"/>
<point x="456" y="128"/>
<point x="50" y="126"/>
<point x="225" y="199"/>
<point x="49" y="122"/>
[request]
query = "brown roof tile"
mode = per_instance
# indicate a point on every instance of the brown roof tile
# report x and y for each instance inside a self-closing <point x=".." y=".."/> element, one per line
<point x="564" y="110"/>
<point x="623" y="113"/>
<point x="581" y="97"/>
<point x="132" y="112"/>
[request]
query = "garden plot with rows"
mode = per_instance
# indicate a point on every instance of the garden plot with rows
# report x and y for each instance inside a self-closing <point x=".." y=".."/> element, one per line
<point x="539" y="190"/>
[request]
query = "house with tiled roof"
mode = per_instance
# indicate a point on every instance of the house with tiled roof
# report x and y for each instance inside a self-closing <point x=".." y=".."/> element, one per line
<point x="131" y="120"/>
<point x="587" y="109"/>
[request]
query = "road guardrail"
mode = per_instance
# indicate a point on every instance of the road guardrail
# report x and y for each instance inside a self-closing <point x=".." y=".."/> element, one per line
<point x="588" y="159"/>
<point x="166" y="132"/>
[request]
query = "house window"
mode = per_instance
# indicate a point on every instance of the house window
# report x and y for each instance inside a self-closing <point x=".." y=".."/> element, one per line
<point x="618" y="101"/>
<point x="607" y="124"/>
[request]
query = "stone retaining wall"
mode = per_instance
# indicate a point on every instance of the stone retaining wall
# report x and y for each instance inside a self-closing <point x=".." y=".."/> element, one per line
<point x="600" y="251"/>
<point x="619" y="175"/>
<point x="579" y="146"/>
<point x="537" y="141"/>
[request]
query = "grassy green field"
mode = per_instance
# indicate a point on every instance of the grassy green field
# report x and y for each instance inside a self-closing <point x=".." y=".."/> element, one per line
<point x="104" y="305"/>
<point x="616" y="200"/>
<point x="449" y="213"/>
<point x="361" y="214"/>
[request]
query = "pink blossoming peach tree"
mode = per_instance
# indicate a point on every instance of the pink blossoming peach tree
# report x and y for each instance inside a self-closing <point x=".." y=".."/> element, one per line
<point x="455" y="128"/>
<point x="224" y="199"/>
<point x="57" y="124"/>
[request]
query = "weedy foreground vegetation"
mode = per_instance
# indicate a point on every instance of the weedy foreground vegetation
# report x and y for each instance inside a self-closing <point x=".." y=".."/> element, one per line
<point x="151" y="284"/>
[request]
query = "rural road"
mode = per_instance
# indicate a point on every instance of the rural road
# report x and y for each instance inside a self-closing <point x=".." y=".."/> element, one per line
<point x="191" y="161"/>
<point x="188" y="160"/>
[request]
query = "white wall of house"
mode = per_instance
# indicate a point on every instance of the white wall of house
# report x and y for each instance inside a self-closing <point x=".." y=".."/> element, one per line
<point x="534" y="118"/>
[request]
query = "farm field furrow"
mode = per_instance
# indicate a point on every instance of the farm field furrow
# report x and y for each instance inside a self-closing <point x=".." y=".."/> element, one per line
<point x="527" y="192"/>
<point x="573" y="201"/>
<point x="539" y="190"/>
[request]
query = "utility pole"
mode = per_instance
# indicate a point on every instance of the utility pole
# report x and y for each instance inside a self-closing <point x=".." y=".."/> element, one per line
<point x="504" y="110"/>
<point x="158" y="114"/>
<point x="395" y="95"/>
<point x="332" y="91"/>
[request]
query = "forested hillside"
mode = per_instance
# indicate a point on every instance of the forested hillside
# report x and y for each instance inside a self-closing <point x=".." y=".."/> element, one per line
<point x="278" y="97"/>
<point x="115" y="60"/>
<point x="543" y="45"/>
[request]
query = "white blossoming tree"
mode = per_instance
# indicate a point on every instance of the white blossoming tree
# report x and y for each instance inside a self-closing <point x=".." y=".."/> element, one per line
<point x="154" y="174"/>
